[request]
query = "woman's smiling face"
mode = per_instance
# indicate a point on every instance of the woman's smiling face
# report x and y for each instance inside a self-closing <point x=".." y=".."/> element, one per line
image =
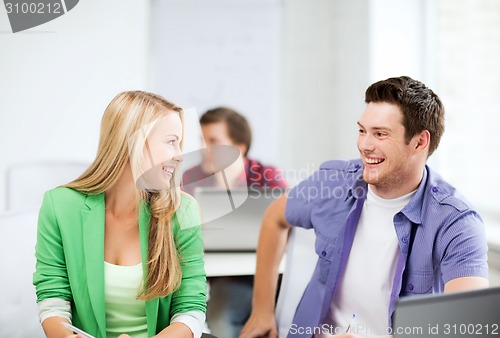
<point x="162" y="153"/>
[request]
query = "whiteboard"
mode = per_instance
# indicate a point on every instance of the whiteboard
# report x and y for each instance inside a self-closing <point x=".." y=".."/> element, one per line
<point x="208" y="53"/>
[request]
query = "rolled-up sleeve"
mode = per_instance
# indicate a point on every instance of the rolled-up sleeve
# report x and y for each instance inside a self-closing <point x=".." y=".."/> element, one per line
<point x="299" y="202"/>
<point x="192" y="319"/>
<point x="466" y="250"/>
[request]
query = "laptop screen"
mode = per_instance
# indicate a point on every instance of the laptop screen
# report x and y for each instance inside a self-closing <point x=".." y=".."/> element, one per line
<point x="463" y="314"/>
<point x="231" y="218"/>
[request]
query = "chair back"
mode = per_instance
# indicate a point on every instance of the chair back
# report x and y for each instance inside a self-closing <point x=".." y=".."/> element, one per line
<point x="18" y="309"/>
<point x="27" y="182"/>
<point x="301" y="260"/>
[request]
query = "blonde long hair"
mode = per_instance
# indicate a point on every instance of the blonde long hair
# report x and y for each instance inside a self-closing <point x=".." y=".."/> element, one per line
<point x="125" y="125"/>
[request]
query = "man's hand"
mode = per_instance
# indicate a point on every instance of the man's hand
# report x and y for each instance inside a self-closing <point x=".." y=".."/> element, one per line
<point x="260" y="326"/>
<point x="272" y="242"/>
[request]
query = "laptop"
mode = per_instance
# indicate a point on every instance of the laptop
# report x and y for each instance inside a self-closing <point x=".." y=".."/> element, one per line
<point x="231" y="218"/>
<point x="463" y="314"/>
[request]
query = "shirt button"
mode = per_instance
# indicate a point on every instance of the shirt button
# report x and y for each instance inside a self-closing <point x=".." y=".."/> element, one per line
<point x="435" y="189"/>
<point x="405" y="240"/>
<point x="323" y="253"/>
<point x="357" y="166"/>
<point x="411" y="287"/>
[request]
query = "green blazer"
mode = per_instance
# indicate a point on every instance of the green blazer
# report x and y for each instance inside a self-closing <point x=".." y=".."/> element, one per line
<point x="70" y="259"/>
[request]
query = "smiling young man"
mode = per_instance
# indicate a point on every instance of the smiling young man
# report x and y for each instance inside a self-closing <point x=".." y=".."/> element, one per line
<point x="387" y="226"/>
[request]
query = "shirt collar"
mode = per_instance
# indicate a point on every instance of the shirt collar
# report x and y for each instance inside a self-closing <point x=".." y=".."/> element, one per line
<point x="359" y="189"/>
<point x="413" y="210"/>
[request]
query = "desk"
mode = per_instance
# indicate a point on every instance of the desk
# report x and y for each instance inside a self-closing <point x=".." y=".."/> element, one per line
<point x="219" y="264"/>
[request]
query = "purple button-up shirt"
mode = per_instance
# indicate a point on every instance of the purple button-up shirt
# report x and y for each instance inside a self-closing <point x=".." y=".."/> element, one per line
<point x="441" y="237"/>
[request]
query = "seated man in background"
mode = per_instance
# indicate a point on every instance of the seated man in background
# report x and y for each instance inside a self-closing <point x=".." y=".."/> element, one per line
<point x="230" y="297"/>
<point x="225" y="127"/>
<point x="387" y="226"/>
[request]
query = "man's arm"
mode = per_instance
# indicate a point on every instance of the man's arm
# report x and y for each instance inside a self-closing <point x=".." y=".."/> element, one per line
<point x="466" y="284"/>
<point x="272" y="243"/>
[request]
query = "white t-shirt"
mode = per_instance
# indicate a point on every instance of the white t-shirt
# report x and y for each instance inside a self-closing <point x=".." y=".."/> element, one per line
<point x="361" y="303"/>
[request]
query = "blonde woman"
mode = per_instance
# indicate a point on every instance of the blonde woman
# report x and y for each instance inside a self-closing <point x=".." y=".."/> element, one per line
<point x="119" y="250"/>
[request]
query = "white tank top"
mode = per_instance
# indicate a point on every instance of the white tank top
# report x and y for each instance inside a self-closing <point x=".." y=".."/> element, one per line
<point x="124" y="313"/>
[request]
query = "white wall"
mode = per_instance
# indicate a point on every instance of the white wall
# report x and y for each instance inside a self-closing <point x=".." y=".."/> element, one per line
<point x="401" y="38"/>
<point x="325" y="72"/>
<point x="56" y="79"/>
<point x="469" y="80"/>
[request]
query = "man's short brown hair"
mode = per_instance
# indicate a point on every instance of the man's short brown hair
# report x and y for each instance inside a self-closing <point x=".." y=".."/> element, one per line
<point x="421" y="107"/>
<point x="237" y="126"/>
